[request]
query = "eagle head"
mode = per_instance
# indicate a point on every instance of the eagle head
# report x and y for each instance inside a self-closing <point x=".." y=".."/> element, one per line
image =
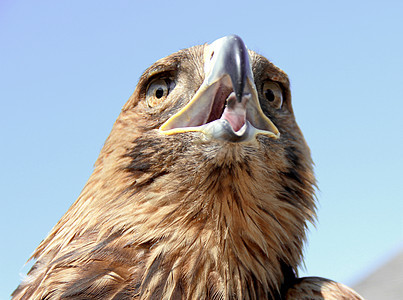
<point x="203" y="190"/>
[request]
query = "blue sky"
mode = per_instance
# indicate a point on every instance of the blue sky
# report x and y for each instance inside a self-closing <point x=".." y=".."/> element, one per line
<point x="67" y="68"/>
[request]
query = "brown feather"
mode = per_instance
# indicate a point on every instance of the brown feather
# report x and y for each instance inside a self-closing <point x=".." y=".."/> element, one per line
<point x="316" y="288"/>
<point x="179" y="217"/>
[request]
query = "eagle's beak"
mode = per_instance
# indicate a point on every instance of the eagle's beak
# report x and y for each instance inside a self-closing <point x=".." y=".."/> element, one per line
<point x="226" y="106"/>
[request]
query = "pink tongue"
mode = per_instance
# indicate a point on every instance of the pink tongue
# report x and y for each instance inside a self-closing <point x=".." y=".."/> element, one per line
<point x="235" y="114"/>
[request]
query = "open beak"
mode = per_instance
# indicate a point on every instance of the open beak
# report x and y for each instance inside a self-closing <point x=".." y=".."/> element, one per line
<point x="226" y="106"/>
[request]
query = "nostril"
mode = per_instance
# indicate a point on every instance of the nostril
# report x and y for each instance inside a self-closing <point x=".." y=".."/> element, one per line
<point x="212" y="54"/>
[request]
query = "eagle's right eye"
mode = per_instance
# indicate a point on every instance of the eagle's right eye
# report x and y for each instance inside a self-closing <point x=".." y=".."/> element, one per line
<point x="157" y="92"/>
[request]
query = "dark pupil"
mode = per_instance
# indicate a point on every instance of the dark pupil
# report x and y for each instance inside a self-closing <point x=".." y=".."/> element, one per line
<point x="159" y="92"/>
<point x="269" y="95"/>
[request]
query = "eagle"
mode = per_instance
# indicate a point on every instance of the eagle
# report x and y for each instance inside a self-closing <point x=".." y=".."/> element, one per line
<point x="203" y="190"/>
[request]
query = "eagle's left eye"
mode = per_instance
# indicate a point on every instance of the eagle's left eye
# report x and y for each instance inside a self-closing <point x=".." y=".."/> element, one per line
<point x="157" y="91"/>
<point x="273" y="94"/>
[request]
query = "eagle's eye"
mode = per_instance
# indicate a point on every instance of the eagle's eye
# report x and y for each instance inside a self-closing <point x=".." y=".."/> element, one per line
<point x="157" y="91"/>
<point x="272" y="93"/>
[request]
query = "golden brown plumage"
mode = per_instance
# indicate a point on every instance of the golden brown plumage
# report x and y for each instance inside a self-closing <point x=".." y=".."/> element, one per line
<point x="309" y="288"/>
<point x="178" y="210"/>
